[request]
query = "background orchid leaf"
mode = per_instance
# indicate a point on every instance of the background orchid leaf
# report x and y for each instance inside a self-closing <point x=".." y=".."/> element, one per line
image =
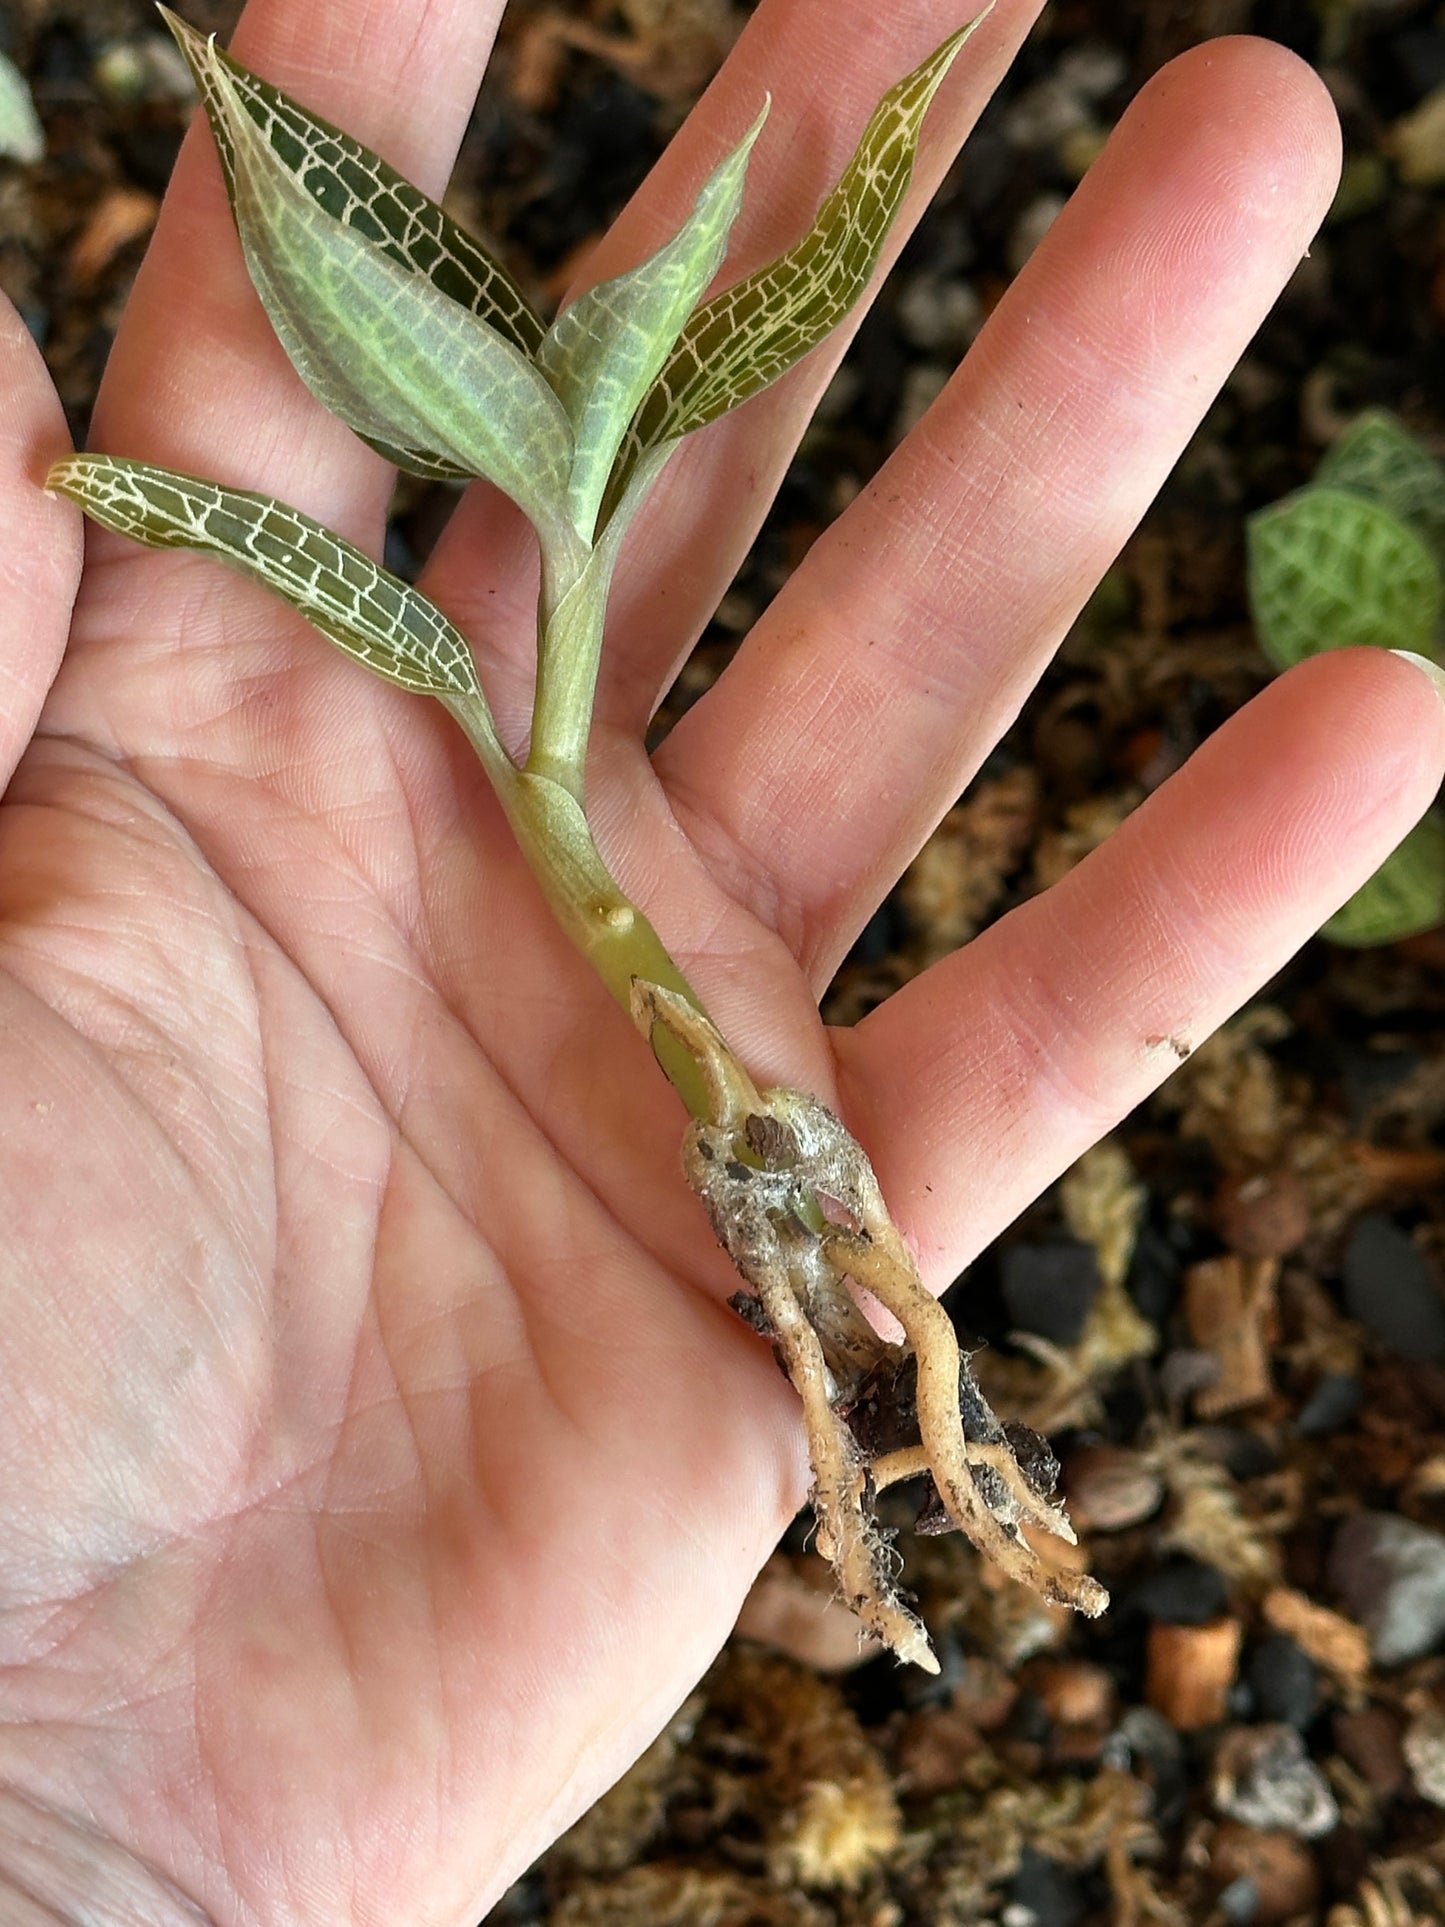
<point x="374" y="616"/>
<point x="1405" y="895"/>
<point x="1379" y="458"/>
<point x="605" y="349"/>
<point x="1333" y="569"/>
<point x="745" y="337"/>
<point x="382" y="349"/>
<point x="355" y="186"/>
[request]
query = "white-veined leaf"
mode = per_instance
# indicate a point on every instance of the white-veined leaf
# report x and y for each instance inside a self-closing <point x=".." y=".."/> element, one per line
<point x="1378" y="457"/>
<point x="382" y="349"/>
<point x="1331" y="569"/>
<point x="355" y="186"/>
<point x="1405" y="895"/>
<point x="603" y="351"/>
<point x="751" y="333"/>
<point x="374" y="616"/>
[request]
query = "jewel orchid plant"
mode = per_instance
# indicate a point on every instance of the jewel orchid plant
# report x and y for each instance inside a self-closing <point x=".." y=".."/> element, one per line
<point x="406" y="328"/>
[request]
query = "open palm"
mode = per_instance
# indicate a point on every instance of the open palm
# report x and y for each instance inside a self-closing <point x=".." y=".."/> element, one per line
<point x="379" y="1465"/>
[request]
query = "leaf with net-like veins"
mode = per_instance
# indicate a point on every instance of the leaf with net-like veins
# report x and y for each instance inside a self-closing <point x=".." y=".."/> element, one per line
<point x="745" y="337"/>
<point x="1332" y="569"/>
<point x="1379" y="458"/>
<point x="375" y="617"/>
<point x="603" y="351"/>
<point x="379" y="347"/>
<point x="356" y="187"/>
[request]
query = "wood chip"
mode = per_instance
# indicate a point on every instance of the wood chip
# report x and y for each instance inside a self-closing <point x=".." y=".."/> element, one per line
<point x="121" y="216"/>
<point x="1229" y="1305"/>
<point x="1190" y="1670"/>
<point x="1337" y="1644"/>
<point x="794" y="1608"/>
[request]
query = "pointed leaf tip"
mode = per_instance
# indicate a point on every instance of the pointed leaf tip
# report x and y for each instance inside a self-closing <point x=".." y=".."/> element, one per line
<point x="398" y="362"/>
<point x="750" y="334"/>
<point x="375" y="617"/>
<point x="606" y="347"/>
<point x="358" y="188"/>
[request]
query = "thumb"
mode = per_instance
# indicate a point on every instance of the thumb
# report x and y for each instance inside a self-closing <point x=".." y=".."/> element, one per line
<point x="40" y="539"/>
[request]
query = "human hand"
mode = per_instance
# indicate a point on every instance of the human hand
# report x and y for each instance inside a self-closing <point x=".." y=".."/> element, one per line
<point x="381" y="1463"/>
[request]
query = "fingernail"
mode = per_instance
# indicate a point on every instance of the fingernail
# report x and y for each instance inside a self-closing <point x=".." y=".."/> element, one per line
<point x="1432" y="669"/>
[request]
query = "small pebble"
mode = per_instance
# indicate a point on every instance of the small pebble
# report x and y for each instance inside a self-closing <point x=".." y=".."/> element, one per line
<point x="1390" y="1574"/>
<point x="1264" y="1877"/>
<point x="1154" y="1273"/>
<point x="150" y="68"/>
<point x="1044" y="114"/>
<point x="22" y="137"/>
<point x="1043" y="1894"/>
<point x="1283" y="1680"/>
<point x="793" y="1608"/>
<point x="1369" y="1740"/>
<point x="1187" y="1371"/>
<point x="1093" y="69"/>
<point x="1109" y="1487"/>
<point x="1389" y="1288"/>
<point x="1071" y="1691"/>
<point x="1049" y="1289"/>
<point x="1186" y="1592"/>
<point x="1424" y="1748"/>
<point x="1262" y="1214"/>
<point x="1149" y="1747"/>
<point x="1330" y="1406"/>
<point x="1264" y="1777"/>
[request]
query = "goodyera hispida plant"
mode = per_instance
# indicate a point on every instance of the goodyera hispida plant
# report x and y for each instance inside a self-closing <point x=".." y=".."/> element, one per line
<point x="406" y="327"/>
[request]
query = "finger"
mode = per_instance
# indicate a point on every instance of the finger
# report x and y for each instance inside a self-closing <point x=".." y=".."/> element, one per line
<point x="40" y="565"/>
<point x="872" y="689"/>
<point x="197" y="379"/>
<point x="825" y="63"/>
<point x="1038" y="1037"/>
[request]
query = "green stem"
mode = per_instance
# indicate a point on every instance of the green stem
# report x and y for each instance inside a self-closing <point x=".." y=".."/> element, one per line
<point x="607" y="927"/>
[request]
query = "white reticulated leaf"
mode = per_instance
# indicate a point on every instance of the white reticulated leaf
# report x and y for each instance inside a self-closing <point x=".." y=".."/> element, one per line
<point x="1405" y="895"/>
<point x="604" y="350"/>
<point x="380" y="347"/>
<point x="1332" y="569"/>
<point x="375" y="617"/>
<point x="357" y="187"/>
<point x="1378" y="457"/>
<point x="753" y="332"/>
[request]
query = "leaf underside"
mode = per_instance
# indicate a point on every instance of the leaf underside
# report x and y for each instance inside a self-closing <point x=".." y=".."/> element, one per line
<point x="381" y="349"/>
<point x="375" y="617"/>
<point x="356" y="187"/>
<point x="753" y="332"/>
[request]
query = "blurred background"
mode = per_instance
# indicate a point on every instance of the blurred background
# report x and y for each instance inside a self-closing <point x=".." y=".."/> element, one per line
<point x="1230" y="1317"/>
